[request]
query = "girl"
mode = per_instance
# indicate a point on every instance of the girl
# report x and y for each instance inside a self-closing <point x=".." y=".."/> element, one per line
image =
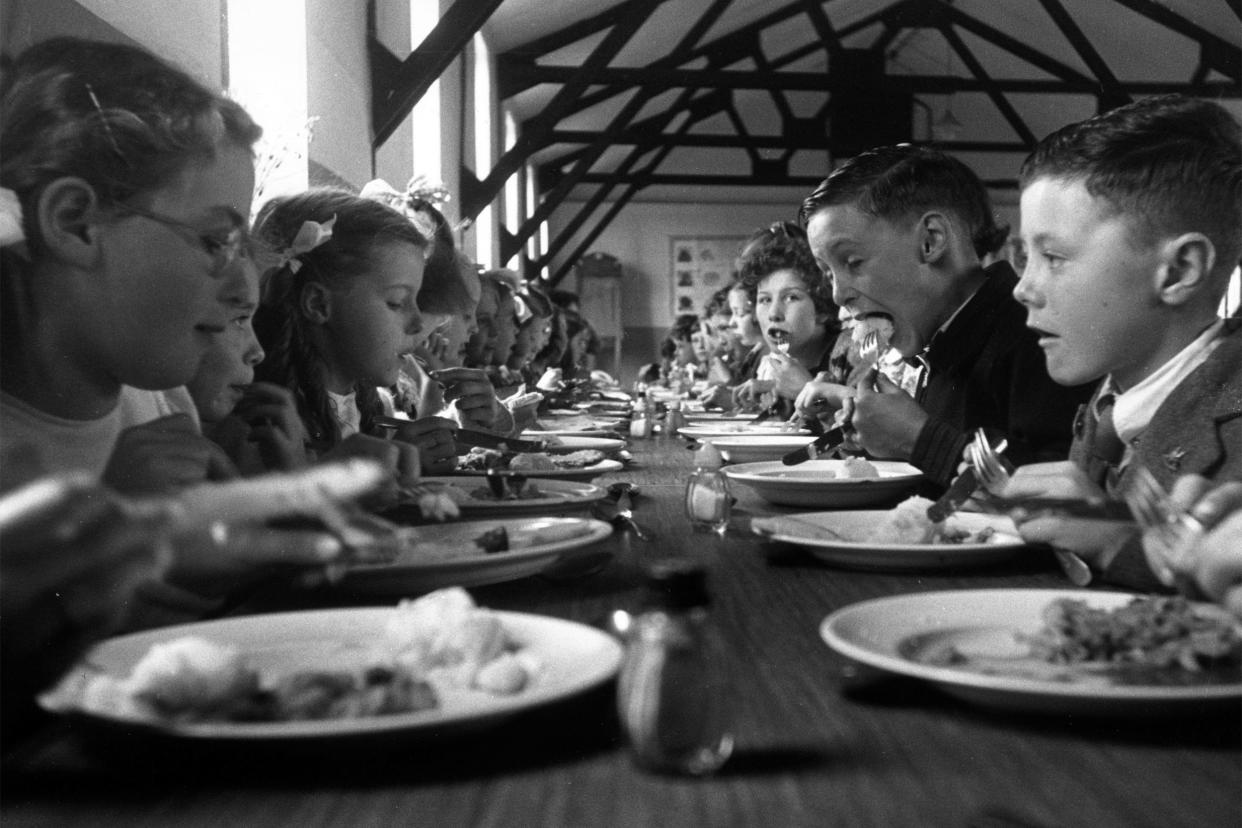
<point x="339" y="315"/>
<point x="130" y="183"/>
<point x="256" y="423"/>
<point x="749" y="345"/>
<point x="795" y="312"/>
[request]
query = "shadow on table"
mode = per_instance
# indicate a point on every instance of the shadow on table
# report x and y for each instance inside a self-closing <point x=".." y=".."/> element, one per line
<point x="113" y="766"/>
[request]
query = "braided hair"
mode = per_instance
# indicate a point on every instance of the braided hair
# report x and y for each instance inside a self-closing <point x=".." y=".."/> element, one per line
<point x="293" y="360"/>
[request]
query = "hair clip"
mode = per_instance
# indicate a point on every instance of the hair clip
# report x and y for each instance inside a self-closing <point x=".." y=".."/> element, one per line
<point x="103" y="119"/>
<point x="310" y="235"/>
<point x="521" y="310"/>
<point x="11" y="230"/>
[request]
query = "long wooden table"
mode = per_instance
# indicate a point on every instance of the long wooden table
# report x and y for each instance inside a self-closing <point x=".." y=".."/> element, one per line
<point x="813" y="747"/>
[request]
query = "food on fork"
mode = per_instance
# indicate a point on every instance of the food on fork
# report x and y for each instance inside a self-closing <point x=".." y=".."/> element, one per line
<point x="864" y="325"/>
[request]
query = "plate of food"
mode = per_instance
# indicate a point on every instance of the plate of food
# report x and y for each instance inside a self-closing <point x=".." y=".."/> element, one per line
<point x="583" y="465"/>
<point x="472" y="553"/>
<point x="899" y="539"/>
<point x="1051" y="651"/>
<point x="828" y="484"/>
<point x="755" y="449"/>
<point x="747" y="429"/>
<point x="429" y="666"/>
<point x="477" y="497"/>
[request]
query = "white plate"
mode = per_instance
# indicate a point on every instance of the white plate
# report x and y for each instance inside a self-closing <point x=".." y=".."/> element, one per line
<point x="553" y="429"/>
<point x="556" y="494"/>
<point x="718" y="417"/>
<point x="767" y="429"/>
<point x="815" y="483"/>
<point x="882" y="632"/>
<point x="573" y="658"/>
<point x="450" y="556"/>
<point x="584" y="473"/>
<point x="748" y="449"/>
<point x="899" y="556"/>
<point x="568" y="445"/>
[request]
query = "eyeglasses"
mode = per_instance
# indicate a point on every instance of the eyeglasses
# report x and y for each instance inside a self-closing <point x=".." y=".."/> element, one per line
<point x="223" y="249"/>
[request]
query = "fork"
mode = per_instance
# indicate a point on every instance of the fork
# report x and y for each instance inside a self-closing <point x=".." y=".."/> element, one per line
<point x="994" y="473"/>
<point x="1173" y="530"/>
<point x="625" y="511"/>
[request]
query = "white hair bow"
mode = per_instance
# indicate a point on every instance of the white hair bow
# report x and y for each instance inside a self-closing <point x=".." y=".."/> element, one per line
<point x="310" y="235"/>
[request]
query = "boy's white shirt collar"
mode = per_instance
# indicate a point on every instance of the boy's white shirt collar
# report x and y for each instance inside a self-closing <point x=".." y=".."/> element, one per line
<point x="1133" y="408"/>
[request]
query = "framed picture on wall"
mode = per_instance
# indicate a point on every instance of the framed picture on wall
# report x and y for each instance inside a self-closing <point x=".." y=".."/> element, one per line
<point x="698" y="267"/>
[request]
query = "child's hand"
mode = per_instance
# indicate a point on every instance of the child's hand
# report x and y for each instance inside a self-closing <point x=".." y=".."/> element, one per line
<point x="434" y="437"/>
<point x="402" y="459"/>
<point x="887" y="419"/>
<point x="272" y="415"/>
<point x="717" y="396"/>
<point x="474" y="394"/>
<point x="1214" y="564"/>
<point x="820" y="398"/>
<point x="163" y="455"/>
<point x="788" y="375"/>
<point x="749" y="394"/>
<point x="1096" y="541"/>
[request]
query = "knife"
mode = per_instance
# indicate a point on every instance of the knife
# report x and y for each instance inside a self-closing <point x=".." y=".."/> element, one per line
<point x="470" y="437"/>
<point x="827" y="441"/>
<point x="958" y="493"/>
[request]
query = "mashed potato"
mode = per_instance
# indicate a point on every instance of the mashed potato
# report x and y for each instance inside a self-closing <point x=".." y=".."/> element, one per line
<point x="857" y="467"/>
<point x="907" y="523"/>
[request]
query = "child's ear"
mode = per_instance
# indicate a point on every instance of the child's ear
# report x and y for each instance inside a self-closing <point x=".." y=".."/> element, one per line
<point x="315" y="302"/>
<point x="933" y="234"/>
<point x="1185" y="269"/>
<point x="66" y="214"/>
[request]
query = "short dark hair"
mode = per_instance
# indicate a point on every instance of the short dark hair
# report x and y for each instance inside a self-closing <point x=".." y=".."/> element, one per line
<point x="1170" y="164"/>
<point x="903" y="180"/>
<point x="783" y="246"/>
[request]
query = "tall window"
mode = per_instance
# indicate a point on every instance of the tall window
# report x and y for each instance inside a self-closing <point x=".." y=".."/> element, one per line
<point x="425" y="117"/>
<point x="483" y="146"/>
<point x="513" y="192"/>
<point x="267" y="75"/>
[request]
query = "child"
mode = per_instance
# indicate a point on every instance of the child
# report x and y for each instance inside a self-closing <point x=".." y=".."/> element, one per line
<point x="256" y="423"/>
<point x="1133" y="223"/>
<point x="130" y="182"/>
<point x="338" y="316"/>
<point x="795" y="313"/>
<point x="895" y="230"/>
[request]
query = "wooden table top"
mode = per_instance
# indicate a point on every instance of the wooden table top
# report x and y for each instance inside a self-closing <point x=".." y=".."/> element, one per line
<point x="813" y="746"/>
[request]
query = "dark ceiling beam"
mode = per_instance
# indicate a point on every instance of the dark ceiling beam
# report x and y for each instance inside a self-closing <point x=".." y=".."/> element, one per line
<point x="1012" y="45"/>
<point x="571" y="260"/>
<point x="989" y="86"/>
<point x="1111" y="93"/>
<point x="737" y="79"/>
<point x="622" y="120"/>
<point x="1236" y="7"/>
<point x="475" y="195"/>
<point x="397" y="87"/>
<point x="704" y="180"/>
<point x="580" y="30"/>
<point x="824" y="30"/>
<point x="760" y="142"/>
<point x="1218" y="52"/>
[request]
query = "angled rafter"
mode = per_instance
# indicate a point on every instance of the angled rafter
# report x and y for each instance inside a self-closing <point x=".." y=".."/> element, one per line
<point x="397" y="87"/>
<point x="1013" y="45"/>
<point x="724" y="141"/>
<point x="622" y="120"/>
<point x="1111" y="93"/>
<point x="998" y="97"/>
<point x="478" y="194"/>
<point x="1219" y="53"/>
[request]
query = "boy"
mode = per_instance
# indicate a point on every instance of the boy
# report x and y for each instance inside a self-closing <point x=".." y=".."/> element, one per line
<point x="895" y="228"/>
<point x="1133" y="223"/>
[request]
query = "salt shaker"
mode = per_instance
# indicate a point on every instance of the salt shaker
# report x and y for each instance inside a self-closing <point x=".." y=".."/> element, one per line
<point x="640" y="422"/>
<point x="709" y="503"/>
<point x="674" y="418"/>
<point x="671" y="695"/>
